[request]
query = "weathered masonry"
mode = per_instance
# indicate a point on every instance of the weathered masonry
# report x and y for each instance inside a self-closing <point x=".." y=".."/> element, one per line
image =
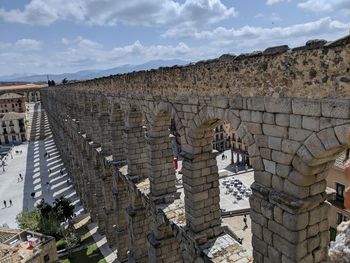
<point x="291" y="106"/>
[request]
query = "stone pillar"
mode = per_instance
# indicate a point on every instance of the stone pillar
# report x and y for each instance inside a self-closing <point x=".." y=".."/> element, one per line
<point x="84" y="121"/>
<point x="134" y="138"/>
<point x="109" y="207"/>
<point x="116" y="123"/>
<point x="97" y="174"/>
<point x="163" y="247"/>
<point x="138" y="227"/>
<point x="122" y="200"/>
<point x="105" y="133"/>
<point x="161" y="169"/>
<point x="202" y="193"/>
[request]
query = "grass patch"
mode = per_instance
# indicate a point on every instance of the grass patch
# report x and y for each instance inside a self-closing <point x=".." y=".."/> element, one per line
<point x="91" y="254"/>
<point x="83" y="257"/>
<point x="61" y="244"/>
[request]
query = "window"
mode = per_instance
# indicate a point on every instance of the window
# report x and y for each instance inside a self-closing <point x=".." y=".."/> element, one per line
<point x="14" y="138"/>
<point x="340" y="191"/>
<point x="339" y="218"/>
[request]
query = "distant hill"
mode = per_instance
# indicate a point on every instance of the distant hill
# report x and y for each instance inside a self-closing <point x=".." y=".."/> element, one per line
<point x="91" y="74"/>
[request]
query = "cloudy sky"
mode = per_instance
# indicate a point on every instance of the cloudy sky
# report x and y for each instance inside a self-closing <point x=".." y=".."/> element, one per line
<point x="56" y="36"/>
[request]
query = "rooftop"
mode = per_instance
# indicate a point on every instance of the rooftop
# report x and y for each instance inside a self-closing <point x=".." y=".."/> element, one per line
<point x="11" y="116"/>
<point x="21" y="87"/>
<point x="10" y="95"/>
<point x="17" y="245"/>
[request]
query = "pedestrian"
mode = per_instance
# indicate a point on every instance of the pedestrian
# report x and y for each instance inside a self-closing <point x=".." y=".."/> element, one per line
<point x="47" y="185"/>
<point x="61" y="171"/>
<point x="10" y="202"/>
<point x="68" y="181"/>
<point x="245" y="221"/>
<point x="5" y="203"/>
<point x="45" y="154"/>
<point x="20" y="177"/>
<point x="32" y="194"/>
<point x="49" y="171"/>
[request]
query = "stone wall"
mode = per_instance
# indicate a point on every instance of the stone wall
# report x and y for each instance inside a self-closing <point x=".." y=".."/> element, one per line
<point x="316" y="70"/>
<point x="116" y="130"/>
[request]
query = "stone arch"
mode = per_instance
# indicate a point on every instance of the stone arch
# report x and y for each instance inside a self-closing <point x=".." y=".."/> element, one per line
<point x="209" y="117"/>
<point x="200" y="171"/>
<point x="295" y="209"/>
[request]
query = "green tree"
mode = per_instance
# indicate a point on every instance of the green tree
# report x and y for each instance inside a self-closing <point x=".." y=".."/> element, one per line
<point x="29" y="220"/>
<point x="63" y="209"/>
<point x="71" y="241"/>
<point x="50" y="225"/>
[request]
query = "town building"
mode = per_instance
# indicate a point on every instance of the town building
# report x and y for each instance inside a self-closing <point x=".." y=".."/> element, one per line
<point x="225" y="138"/>
<point x="13" y="128"/>
<point x="30" y="92"/>
<point x="26" y="247"/>
<point x="336" y="181"/>
<point x="12" y="102"/>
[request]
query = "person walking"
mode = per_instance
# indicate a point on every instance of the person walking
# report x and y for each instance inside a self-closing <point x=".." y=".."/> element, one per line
<point x="5" y="203"/>
<point x="10" y="202"/>
<point x="245" y="221"/>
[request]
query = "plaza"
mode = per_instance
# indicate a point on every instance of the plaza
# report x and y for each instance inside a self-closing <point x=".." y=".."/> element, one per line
<point x="44" y="176"/>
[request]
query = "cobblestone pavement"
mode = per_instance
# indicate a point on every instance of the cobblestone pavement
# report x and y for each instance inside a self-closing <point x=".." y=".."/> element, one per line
<point x="41" y="175"/>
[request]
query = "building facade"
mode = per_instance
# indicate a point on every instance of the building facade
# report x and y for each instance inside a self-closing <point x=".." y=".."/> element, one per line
<point x="12" y="102"/>
<point x="226" y="138"/>
<point x="337" y="181"/>
<point x="13" y="128"/>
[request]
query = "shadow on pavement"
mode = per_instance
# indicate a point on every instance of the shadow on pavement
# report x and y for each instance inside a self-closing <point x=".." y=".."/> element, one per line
<point x="44" y="165"/>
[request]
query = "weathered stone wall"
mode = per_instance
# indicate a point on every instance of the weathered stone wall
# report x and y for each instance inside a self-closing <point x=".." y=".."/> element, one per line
<point x="312" y="71"/>
<point x="118" y="129"/>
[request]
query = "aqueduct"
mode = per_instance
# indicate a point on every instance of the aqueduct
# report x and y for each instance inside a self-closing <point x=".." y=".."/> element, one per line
<point x="291" y="106"/>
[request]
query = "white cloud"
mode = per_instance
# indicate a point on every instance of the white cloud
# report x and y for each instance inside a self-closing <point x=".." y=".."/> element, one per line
<point x="130" y="12"/>
<point x="272" y="2"/>
<point x="81" y="53"/>
<point x="26" y="44"/>
<point x="249" y="36"/>
<point x="325" y="5"/>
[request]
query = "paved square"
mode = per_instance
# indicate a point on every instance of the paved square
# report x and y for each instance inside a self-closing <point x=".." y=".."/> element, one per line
<point x="41" y="175"/>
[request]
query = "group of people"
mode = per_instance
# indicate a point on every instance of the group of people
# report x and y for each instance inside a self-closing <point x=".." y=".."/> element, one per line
<point x="5" y="203"/>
